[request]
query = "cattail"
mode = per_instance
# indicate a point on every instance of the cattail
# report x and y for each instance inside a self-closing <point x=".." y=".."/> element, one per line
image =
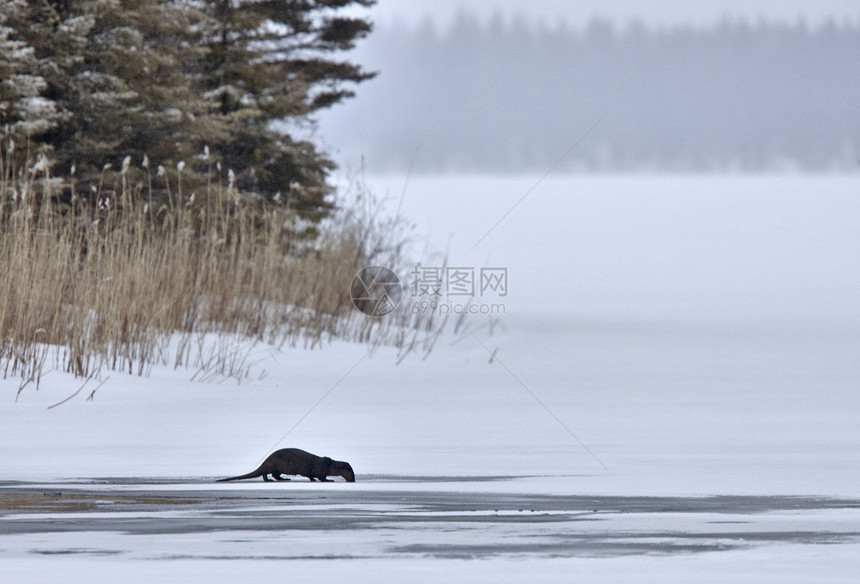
<point x="231" y="178"/>
<point x="160" y="171"/>
<point x="206" y="152"/>
<point x="72" y="171"/>
<point x="126" y="162"/>
<point x="145" y="162"/>
<point x="41" y="165"/>
<point x="180" y="165"/>
<point x="106" y="167"/>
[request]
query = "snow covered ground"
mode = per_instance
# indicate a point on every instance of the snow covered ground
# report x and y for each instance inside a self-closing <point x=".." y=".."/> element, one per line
<point x="668" y="337"/>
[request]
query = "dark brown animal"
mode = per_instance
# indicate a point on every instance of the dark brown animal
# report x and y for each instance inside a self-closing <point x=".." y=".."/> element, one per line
<point x="292" y="461"/>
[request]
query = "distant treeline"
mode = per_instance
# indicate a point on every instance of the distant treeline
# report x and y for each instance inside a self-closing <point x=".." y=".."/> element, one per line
<point x="508" y="97"/>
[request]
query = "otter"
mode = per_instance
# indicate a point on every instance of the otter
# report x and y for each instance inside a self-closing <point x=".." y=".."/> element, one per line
<point x="292" y="461"/>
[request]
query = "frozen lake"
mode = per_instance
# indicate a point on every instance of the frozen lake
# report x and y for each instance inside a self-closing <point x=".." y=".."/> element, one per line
<point x="417" y="526"/>
<point x="664" y="248"/>
<point x="672" y="390"/>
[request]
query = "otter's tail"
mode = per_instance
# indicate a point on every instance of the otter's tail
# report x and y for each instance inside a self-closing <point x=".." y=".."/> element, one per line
<point x="250" y="475"/>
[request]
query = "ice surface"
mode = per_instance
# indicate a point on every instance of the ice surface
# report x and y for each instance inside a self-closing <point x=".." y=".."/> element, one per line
<point x="667" y="337"/>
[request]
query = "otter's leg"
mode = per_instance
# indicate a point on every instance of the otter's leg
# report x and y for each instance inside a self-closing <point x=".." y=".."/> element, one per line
<point x="280" y="477"/>
<point x="266" y="478"/>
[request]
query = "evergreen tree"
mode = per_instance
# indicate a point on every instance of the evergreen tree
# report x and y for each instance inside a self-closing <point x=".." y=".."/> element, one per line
<point x="100" y="80"/>
<point x="24" y="112"/>
<point x="268" y="62"/>
<point x="116" y="73"/>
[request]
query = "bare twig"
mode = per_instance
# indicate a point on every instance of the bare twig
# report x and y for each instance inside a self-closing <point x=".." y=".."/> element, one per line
<point x="80" y="389"/>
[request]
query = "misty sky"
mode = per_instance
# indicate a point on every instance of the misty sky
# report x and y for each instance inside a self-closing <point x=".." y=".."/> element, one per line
<point x="651" y="12"/>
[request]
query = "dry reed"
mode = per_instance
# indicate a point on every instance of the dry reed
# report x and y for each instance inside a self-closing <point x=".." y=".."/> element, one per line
<point x="122" y="279"/>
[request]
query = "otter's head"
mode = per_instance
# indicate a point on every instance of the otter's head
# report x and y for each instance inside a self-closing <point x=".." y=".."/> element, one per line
<point x="342" y="469"/>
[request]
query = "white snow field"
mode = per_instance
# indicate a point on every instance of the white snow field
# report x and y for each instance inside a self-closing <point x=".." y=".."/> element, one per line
<point x="671" y="395"/>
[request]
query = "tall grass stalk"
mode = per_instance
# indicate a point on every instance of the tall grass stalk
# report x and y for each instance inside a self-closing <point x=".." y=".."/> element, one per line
<point x="123" y="279"/>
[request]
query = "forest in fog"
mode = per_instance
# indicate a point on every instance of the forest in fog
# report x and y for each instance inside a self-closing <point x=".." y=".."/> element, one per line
<point x="506" y="96"/>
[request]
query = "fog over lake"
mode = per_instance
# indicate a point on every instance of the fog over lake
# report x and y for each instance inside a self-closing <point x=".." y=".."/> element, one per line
<point x="498" y="93"/>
